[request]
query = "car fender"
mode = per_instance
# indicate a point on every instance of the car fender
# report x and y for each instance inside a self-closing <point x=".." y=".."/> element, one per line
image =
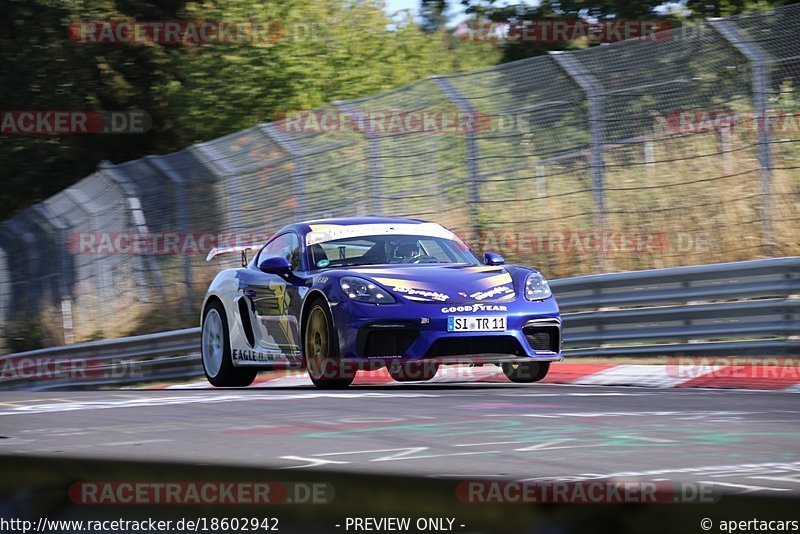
<point x="225" y="287"/>
<point x="315" y="290"/>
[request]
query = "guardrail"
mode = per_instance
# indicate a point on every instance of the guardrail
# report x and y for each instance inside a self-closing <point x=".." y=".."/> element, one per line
<point x="128" y="360"/>
<point x="743" y="308"/>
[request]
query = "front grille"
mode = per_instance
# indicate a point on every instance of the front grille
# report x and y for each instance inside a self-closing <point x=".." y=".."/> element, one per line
<point x="543" y="338"/>
<point x="471" y="345"/>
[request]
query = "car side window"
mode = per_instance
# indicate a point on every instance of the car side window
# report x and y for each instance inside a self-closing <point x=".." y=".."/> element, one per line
<point x="286" y="246"/>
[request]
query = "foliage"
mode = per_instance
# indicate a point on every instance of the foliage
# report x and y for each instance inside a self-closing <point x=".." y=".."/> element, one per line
<point x="671" y="14"/>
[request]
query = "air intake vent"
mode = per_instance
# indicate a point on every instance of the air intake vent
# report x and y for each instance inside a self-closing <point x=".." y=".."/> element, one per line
<point x="543" y="337"/>
<point x="472" y="345"/>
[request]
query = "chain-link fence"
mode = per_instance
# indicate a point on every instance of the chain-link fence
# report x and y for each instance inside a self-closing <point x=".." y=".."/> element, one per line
<point x="674" y="150"/>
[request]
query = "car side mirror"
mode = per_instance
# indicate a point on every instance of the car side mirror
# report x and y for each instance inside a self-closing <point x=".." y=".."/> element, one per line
<point x="276" y="265"/>
<point x="493" y="258"/>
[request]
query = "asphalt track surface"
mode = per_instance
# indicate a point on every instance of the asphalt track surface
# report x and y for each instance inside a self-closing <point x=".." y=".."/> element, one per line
<point x="742" y="441"/>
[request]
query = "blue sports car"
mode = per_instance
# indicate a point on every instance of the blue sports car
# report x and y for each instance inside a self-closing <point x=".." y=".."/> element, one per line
<point x="339" y="295"/>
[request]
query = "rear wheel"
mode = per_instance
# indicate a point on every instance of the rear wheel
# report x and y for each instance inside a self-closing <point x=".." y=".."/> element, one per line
<point x="526" y="372"/>
<point x="215" y="348"/>
<point x="413" y="371"/>
<point x="321" y="348"/>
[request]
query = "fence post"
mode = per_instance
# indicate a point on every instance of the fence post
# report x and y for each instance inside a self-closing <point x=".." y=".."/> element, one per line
<point x="761" y="84"/>
<point x="472" y="147"/>
<point x="649" y="159"/>
<point x="541" y="183"/>
<point x="210" y="157"/>
<point x="6" y="294"/>
<point x="373" y="155"/>
<point x="592" y="89"/>
<point x="299" y="173"/>
<point x="137" y="215"/>
<point x="179" y="184"/>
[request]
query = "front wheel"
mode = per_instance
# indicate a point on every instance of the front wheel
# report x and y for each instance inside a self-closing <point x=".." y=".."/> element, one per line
<point x="321" y="348"/>
<point x="215" y="348"/>
<point x="526" y="372"/>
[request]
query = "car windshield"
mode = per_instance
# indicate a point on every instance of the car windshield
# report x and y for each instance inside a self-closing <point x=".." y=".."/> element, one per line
<point x="388" y="249"/>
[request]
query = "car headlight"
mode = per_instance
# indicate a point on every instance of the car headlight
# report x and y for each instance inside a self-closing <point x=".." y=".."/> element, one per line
<point x="536" y="287"/>
<point x="364" y="290"/>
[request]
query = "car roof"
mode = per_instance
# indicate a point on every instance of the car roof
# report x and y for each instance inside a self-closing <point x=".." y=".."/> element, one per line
<point x="305" y="226"/>
<point x="348" y="221"/>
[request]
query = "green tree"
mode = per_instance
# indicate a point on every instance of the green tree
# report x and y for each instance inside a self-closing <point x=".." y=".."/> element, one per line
<point x="673" y="13"/>
<point x="433" y="14"/>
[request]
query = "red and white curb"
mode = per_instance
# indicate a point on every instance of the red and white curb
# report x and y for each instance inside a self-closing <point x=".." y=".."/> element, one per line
<point x="757" y="377"/>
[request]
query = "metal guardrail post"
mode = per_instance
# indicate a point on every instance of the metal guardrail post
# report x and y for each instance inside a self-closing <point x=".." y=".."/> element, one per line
<point x="299" y="173"/>
<point x="373" y="155"/>
<point x="472" y="147"/>
<point x="761" y="84"/>
<point x="592" y="89"/>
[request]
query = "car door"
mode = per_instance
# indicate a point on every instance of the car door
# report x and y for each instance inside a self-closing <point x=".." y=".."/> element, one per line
<point x="272" y="298"/>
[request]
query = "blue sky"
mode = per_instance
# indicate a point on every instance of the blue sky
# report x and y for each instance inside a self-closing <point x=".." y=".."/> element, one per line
<point x="397" y="5"/>
<point x="392" y="6"/>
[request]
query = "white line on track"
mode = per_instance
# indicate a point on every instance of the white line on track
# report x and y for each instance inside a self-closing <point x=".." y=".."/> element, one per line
<point x="709" y="470"/>
<point x="310" y="462"/>
<point x="749" y="488"/>
<point x="545" y="446"/>
<point x="170" y="400"/>
<point x="487" y="444"/>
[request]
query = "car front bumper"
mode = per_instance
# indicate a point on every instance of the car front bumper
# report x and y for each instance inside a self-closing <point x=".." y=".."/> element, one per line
<point x="412" y="331"/>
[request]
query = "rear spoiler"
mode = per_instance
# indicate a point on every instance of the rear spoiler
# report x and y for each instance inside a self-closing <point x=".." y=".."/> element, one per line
<point x="216" y="251"/>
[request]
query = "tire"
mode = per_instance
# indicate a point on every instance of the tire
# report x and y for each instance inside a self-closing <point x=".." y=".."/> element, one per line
<point x="413" y="371"/>
<point x="526" y="372"/>
<point x="215" y="348"/>
<point x="321" y="350"/>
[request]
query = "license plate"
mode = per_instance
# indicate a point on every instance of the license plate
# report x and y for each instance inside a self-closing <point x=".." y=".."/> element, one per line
<point x="469" y="323"/>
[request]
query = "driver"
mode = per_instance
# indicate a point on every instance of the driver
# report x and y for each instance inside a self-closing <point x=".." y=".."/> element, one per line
<point x="406" y="251"/>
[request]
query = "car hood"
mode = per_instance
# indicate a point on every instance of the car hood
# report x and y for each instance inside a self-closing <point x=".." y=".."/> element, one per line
<point x="444" y="283"/>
